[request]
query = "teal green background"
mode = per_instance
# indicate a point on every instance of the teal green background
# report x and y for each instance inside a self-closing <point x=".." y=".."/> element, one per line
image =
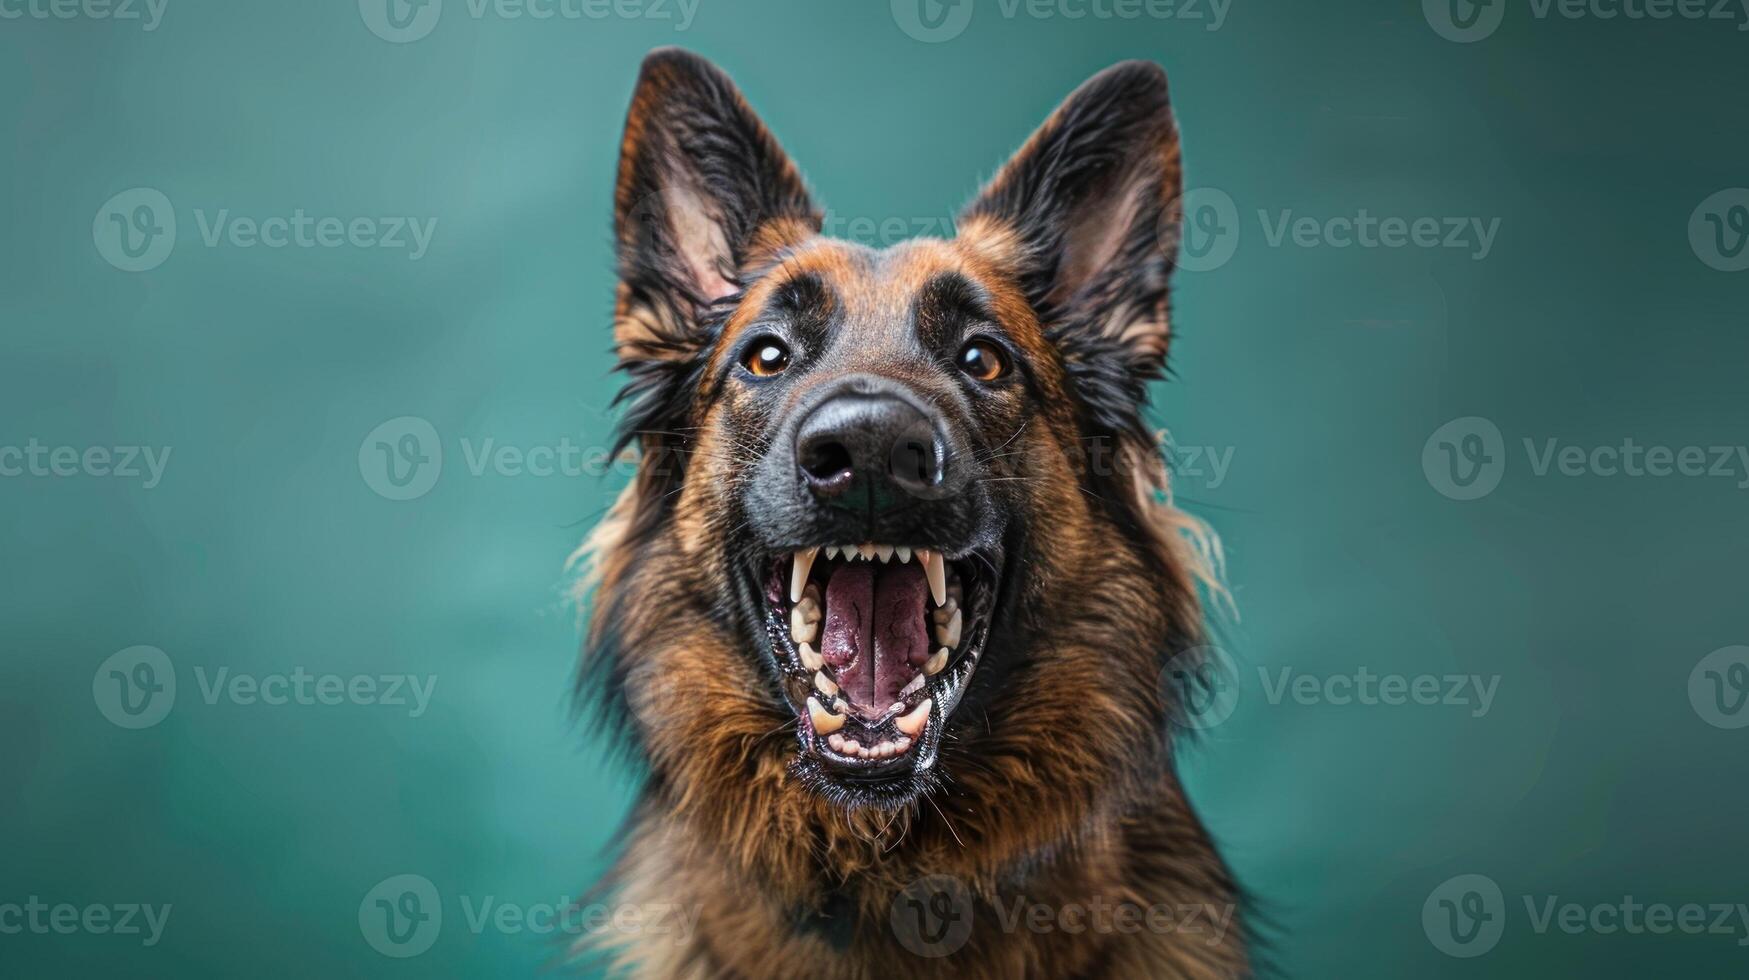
<point x="1323" y="371"/>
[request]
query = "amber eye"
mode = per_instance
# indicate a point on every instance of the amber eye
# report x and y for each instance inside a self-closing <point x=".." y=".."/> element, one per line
<point x="983" y="361"/>
<point x="767" y="356"/>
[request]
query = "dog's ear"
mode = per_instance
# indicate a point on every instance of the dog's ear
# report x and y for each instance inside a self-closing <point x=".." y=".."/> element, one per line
<point x="704" y="192"/>
<point x="1086" y="216"/>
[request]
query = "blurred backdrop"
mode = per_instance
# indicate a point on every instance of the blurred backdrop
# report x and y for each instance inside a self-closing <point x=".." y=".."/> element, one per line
<point x="304" y="393"/>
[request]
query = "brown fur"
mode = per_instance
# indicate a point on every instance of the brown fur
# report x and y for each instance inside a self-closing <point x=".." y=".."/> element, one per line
<point x="1059" y="790"/>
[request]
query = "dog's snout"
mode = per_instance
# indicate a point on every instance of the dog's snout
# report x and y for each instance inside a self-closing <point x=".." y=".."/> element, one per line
<point x="871" y="451"/>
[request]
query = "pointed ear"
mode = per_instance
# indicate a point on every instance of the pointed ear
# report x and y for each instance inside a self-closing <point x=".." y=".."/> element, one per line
<point x="704" y="193"/>
<point x="1086" y="216"/>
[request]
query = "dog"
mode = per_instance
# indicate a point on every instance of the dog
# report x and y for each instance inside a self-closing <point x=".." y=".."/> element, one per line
<point x="886" y="611"/>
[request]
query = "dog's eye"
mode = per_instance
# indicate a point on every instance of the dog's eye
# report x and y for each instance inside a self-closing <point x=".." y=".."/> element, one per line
<point x="983" y="361"/>
<point x="767" y="356"/>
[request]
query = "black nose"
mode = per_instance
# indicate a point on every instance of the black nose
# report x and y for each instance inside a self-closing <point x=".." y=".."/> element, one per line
<point x="870" y="451"/>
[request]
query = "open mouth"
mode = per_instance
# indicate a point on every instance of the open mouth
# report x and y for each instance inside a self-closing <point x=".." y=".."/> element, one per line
<point x="877" y="643"/>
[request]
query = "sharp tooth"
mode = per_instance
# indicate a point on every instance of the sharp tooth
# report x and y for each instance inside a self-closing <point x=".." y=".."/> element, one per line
<point x="825" y="723"/>
<point x="865" y="551"/>
<point x="912" y="723"/>
<point x="904" y="554"/>
<point x="804" y="620"/>
<point x="798" y="572"/>
<point x="911" y="688"/>
<point x="936" y="568"/>
<point x="824" y="684"/>
<point x="885" y="551"/>
<point x="810" y="659"/>
<point x="936" y="661"/>
<point x="949" y="635"/>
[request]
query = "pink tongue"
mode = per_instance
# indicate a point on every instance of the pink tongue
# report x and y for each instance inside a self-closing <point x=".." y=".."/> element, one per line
<point x="873" y="635"/>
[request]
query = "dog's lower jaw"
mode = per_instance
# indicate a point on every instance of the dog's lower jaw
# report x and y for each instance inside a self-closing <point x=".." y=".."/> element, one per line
<point x="836" y="905"/>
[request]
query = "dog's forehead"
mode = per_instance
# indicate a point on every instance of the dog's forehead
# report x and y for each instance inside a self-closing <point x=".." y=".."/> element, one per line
<point x="872" y="296"/>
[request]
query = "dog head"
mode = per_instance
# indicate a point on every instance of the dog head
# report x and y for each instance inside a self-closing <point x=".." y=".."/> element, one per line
<point x="897" y="517"/>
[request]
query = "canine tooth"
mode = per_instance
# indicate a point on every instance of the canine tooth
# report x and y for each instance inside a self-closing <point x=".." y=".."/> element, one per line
<point x="810" y="658"/>
<point x="936" y="661"/>
<point x="824" y="683"/>
<point x="911" y="688"/>
<point x="798" y="573"/>
<point x="949" y="635"/>
<point x="936" y="569"/>
<point x="825" y="722"/>
<point x="904" y="554"/>
<point x="885" y="551"/>
<point x="913" y="723"/>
